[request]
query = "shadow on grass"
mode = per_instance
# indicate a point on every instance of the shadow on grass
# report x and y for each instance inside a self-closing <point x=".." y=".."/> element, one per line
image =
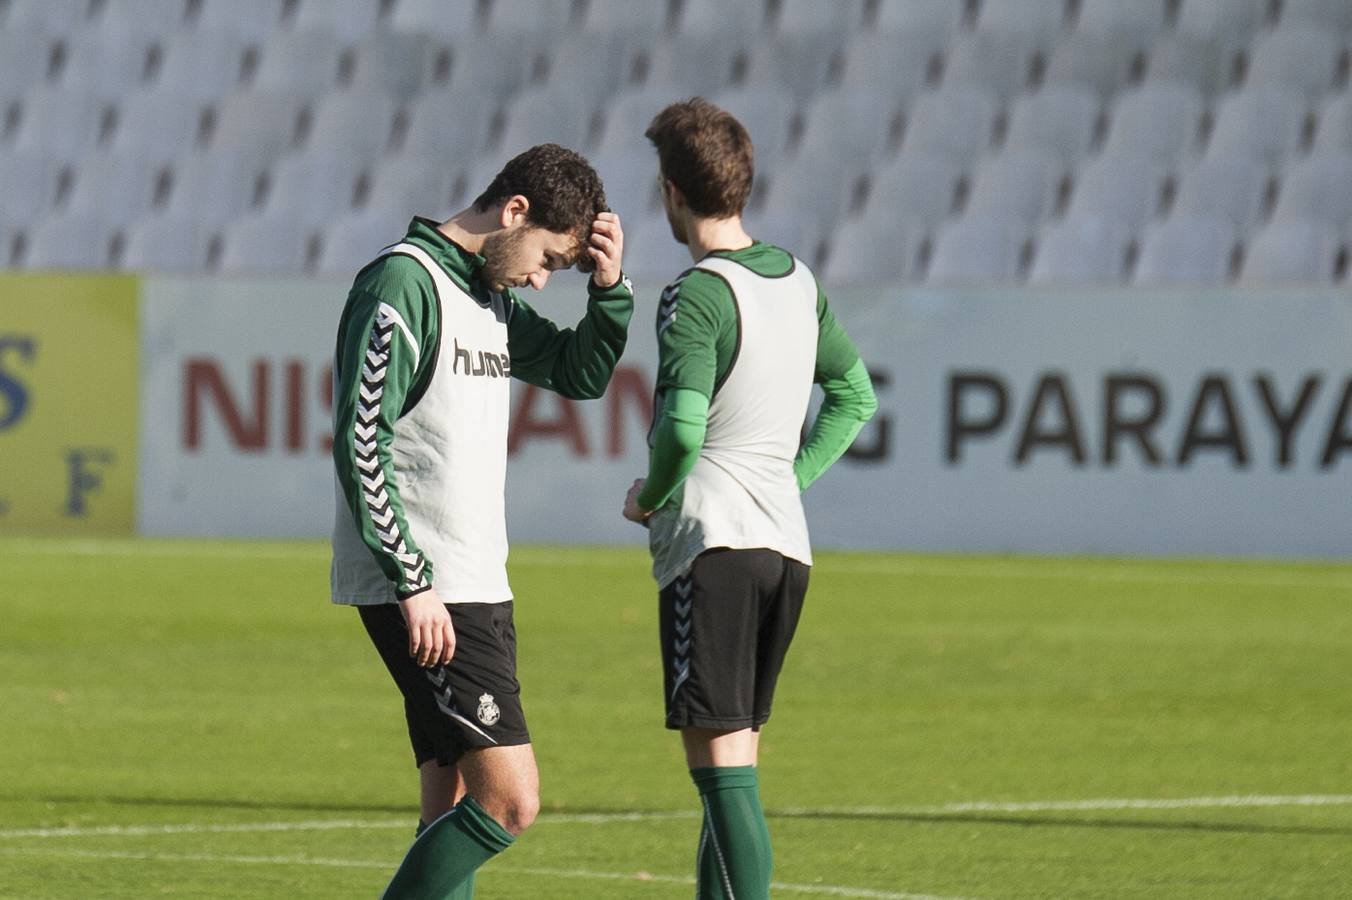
<point x="1046" y="822"/>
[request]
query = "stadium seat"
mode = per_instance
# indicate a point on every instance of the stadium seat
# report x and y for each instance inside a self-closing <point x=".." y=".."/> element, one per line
<point x="396" y="63"/>
<point x="29" y="184"/>
<point x="1102" y="64"/>
<point x="473" y="179"/>
<point x="541" y="17"/>
<point x="625" y="17"/>
<point x="9" y="237"/>
<point x="814" y="19"/>
<point x="204" y="65"/>
<point x="953" y="120"/>
<point x="1318" y="188"/>
<point x="1291" y="250"/>
<point x="115" y="188"/>
<point x="349" y="242"/>
<point x="1019" y="186"/>
<point x="255" y="243"/>
<point x="942" y="16"/>
<point x="1061" y="120"/>
<point x="263" y="123"/>
<point x="917" y="187"/>
<point x="57" y="18"/>
<point x="1304" y="59"/>
<point x="1335" y="124"/>
<point x="593" y="64"/>
<point x="974" y="249"/>
<point x="164" y="243"/>
<point x="493" y="66"/>
<point x="1043" y="18"/>
<point x="1135" y="23"/>
<point x="768" y="114"/>
<point x="690" y="64"/>
<point x="438" y="18"/>
<point x="105" y="64"/>
<point x="896" y="63"/>
<point x="743" y="20"/>
<point x="1262" y="123"/>
<point x="350" y="20"/>
<point x="250" y="20"/>
<point x="156" y="124"/>
<point x="1080" y="250"/>
<point x="1227" y="19"/>
<point x="1158" y="120"/>
<point x="801" y="64"/>
<point x="651" y="252"/>
<point x="630" y="179"/>
<point x="1184" y="250"/>
<point x="1001" y="63"/>
<point x="213" y="187"/>
<point x="25" y="55"/>
<point x="1235" y="188"/>
<point x="74" y="242"/>
<point x="440" y="126"/>
<point x="814" y="187"/>
<point x="627" y="116"/>
<point x="549" y="113"/>
<point x="1208" y="64"/>
<point x="314" y="186"/>
<point x="62" y="123"/>
<point x="356" y="122"/>
<point x="874" y="249"/>
<point x="800" y="237"/>
<point x="303" y="62"/>
<point x="143" y="18"/>
<point x="416" y="185"/>
<point x="1125" y="188"/>
<point x="1329" y="14"/>
<point x="856" y="124"/>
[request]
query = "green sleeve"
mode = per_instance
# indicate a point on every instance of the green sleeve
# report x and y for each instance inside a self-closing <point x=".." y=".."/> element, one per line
<point x="386" y="339"/>
<point x="849" y="403"/>
<point x="576" y="363"/>
<point x="677" y="440"/>
<point x="696" y="333"/>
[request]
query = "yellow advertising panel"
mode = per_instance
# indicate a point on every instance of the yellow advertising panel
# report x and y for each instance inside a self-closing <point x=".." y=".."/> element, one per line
<point x="68" y="404"/>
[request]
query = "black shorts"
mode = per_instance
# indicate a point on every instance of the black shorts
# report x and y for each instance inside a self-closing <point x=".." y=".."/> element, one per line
<point x="473" y="701"/>
<point x="726" y="626"/>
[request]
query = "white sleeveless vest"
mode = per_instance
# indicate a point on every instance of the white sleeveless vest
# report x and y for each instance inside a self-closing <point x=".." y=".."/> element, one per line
<point x="449" y="461"/>
<point x="742" y="493"/>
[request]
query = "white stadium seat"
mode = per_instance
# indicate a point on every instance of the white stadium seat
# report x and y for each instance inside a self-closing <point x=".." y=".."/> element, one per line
<point x="802" y="64"/>
<point x="1017" y="185"/>
<point x="1331" y="14"/>
<point x="954" y="120"/>
<point x="1160" y="120"/>
<point x="315" y="186"/>
<point x="276" y="244"/>
<point x="214" y="186"/>
<point x="1059" y="119"/>
<point x="104" y="63"/>
<point x="999" y="62"/>
<point x="1233" y="187"/>
<point x="626" y="17"/>
<point x="1103" y="64"/>
<point x="350" y="242"/>
<point x="874" y="249"/>
<point x="1221" y="18"/>
<point x="62" y="123"/>
<point x="260" y="122"/>
<point x="815" y="188"/>
<point x="164" y="243"/>
<point x="854" y="124"/>
<point x="1208" y="64"/>
<point x="437" y="124"/>
<point x="73" y="242"/>
<point x="693" y="63"/>
<point x="115" y="188"/>
<point x="894" y="63"/>
<point x="918" y="187"/>
<point x="744" y="20"/>
<point x="943" y="16"/>
<point x="768" y="114"/>
<point x="350" y="20"/>
<point x="28" y="182"/>
<point x="1262" y="123"/>
<point x="1123" y="187"/>
<point x="650" y="250"/>
<point x="1136" y="22"/>
<point x="1304" y="59"/>
<point x="250" y="20"/>
<point x="976" y="250"/>
<point x="592" y="64"/>
<point x="417" y="185"/>
<point x="492" y="66"/>
<point x="205" y="65"/>
<point x="1191" y="251"/>
<point x="441" y="18"/>
<point x="1291" y="250"/>
<point x="1335" y="124"/>
<point x="627" y="116"/>
<point x="156" y="124"/>
<point x="542" y="17"/>
<point x="630" y="179"/>
<point x="548" y="114"/>
<point x="1318" y="187"/>
<point x="303" y="62"/>
<point x="356" y="122"/>
<point x="53" y="17"/>
<point x="1044" y="18"/>
<point x="393" y="62"/>
<point x="1080" y="250"/>
<point x="24" y="57"/>
<point x="146" y="18"/>
<point x="812" y="18"/>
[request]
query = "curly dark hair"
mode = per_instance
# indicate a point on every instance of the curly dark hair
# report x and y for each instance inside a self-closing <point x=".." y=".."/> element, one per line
<point x="564" y="191"/>
<point x="707" y="153"/>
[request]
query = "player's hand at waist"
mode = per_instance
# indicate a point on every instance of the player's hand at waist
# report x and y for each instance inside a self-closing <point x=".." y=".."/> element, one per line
<point x="606" y="248"/>
<point x="431" y="636"/>
<point x="632" y="511"/>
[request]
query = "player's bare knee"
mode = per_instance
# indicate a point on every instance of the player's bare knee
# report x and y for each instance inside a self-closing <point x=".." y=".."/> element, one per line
<point x="521" y="811"/>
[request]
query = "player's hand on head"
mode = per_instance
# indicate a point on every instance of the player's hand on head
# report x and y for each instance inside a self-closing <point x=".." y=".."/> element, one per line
<point x="431" y="636"/>
<point x="606" y="248"/>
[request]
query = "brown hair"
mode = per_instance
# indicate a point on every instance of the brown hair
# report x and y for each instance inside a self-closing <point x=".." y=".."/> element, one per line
<point x="564" y="191"/>
<point x="707" y="154"/>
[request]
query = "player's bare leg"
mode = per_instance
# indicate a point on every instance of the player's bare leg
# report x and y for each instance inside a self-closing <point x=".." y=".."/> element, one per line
<point x="442" y="787"/>
<point x="505" y="782"/>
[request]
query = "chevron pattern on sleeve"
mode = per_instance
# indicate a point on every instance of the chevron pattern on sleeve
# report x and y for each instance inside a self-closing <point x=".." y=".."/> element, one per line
<point x="666" y="305"/>
<point x="412" y="564"/>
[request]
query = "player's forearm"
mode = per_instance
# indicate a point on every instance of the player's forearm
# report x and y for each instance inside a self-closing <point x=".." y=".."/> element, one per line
<point x="677" y="441"/>
<point x="575" y="362"/>
<point x="849" y="404"/>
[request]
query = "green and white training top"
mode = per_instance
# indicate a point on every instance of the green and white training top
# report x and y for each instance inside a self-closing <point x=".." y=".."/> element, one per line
<point x="742" y="338"/>
<point x="421" y="402"/>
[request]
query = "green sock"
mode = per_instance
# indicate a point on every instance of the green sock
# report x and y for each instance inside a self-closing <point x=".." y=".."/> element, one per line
<point x="466" y="889"/>
<point x="441" y="863"/>
<point x="735" y="858"/>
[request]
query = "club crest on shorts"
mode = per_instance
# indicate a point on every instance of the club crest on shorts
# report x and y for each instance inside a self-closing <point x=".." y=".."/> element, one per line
<point x="488" y="710"/>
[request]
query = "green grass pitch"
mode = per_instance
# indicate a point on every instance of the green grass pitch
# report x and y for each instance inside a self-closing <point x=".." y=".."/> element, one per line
<point x="193" y="719"/>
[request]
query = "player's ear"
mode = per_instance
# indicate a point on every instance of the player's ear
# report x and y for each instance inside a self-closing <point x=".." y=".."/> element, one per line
<point x="514" y="211"/>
